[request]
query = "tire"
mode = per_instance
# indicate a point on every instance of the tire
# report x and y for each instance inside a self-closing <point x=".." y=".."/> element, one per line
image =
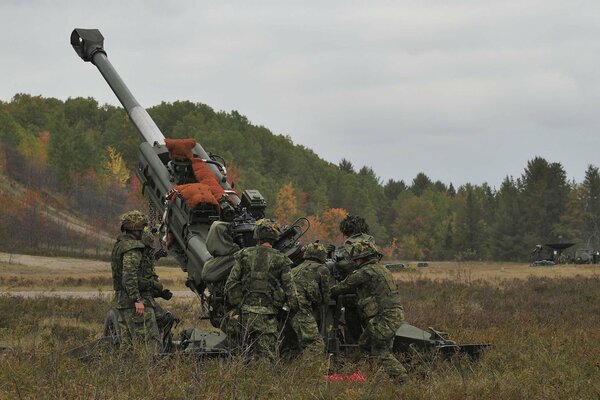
<point x="112" y="329"/>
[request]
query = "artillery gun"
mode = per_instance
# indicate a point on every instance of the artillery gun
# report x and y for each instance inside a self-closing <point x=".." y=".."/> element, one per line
<point x="165" y="169"/>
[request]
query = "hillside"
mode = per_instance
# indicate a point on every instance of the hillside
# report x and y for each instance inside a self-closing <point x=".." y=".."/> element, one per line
<point x="79" y="155"/>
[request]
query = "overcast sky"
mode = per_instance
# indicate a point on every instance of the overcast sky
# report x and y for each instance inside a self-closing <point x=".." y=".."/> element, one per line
<point x="464" y="91"/>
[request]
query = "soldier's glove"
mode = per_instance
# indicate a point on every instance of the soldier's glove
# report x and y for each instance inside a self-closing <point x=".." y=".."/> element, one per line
<point x="166" y="294"/>
<point x="160" y="253"/>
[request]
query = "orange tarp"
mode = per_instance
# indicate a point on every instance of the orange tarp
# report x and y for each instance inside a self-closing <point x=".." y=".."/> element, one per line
<point x="206" y="176"/>
<point x="180" y="149"/>
<point x="196" y="193"/>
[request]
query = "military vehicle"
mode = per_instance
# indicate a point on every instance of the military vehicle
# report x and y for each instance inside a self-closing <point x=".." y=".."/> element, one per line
<point x="192" y="225"/>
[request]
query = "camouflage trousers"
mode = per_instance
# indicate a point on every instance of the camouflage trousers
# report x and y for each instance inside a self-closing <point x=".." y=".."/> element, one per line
<point x="140" y="328"/>
<point x="378" y="338"/>
<point x="257" y="335"/>
<point x="306" y="329"/>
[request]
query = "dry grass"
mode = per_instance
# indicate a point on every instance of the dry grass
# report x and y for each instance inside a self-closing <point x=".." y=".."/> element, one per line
<point x="88" y="276"/>
<point x="544" y="331"/>
<point x="492" y="271"/>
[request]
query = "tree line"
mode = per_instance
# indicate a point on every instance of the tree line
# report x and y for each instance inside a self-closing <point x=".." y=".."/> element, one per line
<point x="84" y="153"/>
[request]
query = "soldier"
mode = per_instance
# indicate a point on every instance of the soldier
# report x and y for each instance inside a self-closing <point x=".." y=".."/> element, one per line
<point x="355" y="229"/>
<point x="258" y="286"/>
<point x="312" y="286"/>
<point x="134" y="300"/>
<point x="379" y="305"/>
<point x="149" y="280"/>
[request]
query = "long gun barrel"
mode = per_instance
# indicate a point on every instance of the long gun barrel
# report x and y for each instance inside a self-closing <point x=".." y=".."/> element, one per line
<point x="89" y="45"/>
<point x="153" y="172"/>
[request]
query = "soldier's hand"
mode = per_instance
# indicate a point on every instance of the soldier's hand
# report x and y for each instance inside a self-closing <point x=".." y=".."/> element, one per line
<point x="166" y="294"/>
<point x="139" y="308"/>
<point x="160" y="253"/>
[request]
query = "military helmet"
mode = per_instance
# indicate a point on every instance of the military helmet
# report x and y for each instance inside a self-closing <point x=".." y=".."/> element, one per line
<point x="353" y="224"/>
<point x="266" y="229"/>
<point x="315" y="251"/>
<point x="364" y="249"/>
<point x="133" y="221"/>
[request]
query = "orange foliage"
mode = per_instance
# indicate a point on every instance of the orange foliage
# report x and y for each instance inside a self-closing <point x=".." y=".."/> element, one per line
<point x="286" y="210"/>
<point x="331" y="220"/>
<point x="317" y="230"/>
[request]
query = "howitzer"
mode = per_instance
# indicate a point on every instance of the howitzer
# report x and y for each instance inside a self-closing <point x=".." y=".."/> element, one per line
<point x="184" y="227"/>
<point x="187" y="227"/>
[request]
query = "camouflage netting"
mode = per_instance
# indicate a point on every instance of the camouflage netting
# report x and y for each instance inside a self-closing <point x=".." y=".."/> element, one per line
<point x="180" y="149"/>
<point x="196" y="193"/>
<point x="220" y="244"/>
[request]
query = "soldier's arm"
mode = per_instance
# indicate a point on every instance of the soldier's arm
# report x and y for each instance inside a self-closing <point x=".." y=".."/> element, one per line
<point x="131" y="264"/>
<point x="349" y="285"/>
<point x="233" y="286"/>
<point x="288" y="285"/>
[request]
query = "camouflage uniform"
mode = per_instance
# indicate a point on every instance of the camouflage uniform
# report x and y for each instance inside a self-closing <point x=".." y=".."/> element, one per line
<point x="378" y="303"/>
<point x="258" y="286"/>
<point x="130" y="272"/>
<point x="312" y="286"/>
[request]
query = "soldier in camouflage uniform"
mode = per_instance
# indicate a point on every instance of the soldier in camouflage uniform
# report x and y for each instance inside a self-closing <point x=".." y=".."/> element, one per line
<point x="355" y="229"/>
<point x="379" y="305"/>
<point x="133" y="292"/>
<point x="258" y="286"/>
<point x="311" y="278"/>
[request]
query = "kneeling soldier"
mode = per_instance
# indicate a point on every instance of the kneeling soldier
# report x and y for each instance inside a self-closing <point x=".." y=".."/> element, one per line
<point x="378" y="303"/>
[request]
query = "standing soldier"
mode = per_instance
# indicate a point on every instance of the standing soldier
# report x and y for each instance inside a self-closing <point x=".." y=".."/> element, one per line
<point x="258" y="286"/>
<point x="378" y="303"/>
<point x="312" y="285"/>
<point x="133" y="298"/>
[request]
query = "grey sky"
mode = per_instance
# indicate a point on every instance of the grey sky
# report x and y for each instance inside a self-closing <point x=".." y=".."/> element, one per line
<point x="465" y="91"/>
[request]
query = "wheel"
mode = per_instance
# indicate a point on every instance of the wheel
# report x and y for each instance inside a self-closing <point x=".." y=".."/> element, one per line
<point x="112" y="329"/>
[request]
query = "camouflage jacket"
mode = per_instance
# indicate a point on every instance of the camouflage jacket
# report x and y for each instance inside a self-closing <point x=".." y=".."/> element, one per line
<point x="260" y="281"/>
<point x="343" y="262"/>
<point x="133" y="273"/>
<point x="374" y="286"/>
<point x="312" y="283"/>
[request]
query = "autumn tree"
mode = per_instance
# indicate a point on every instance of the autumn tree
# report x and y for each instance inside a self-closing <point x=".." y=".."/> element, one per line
<point x="286" y="210"/>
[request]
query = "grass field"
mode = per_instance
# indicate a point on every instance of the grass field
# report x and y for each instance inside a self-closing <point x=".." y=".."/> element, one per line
<point x="543" y="323"/>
